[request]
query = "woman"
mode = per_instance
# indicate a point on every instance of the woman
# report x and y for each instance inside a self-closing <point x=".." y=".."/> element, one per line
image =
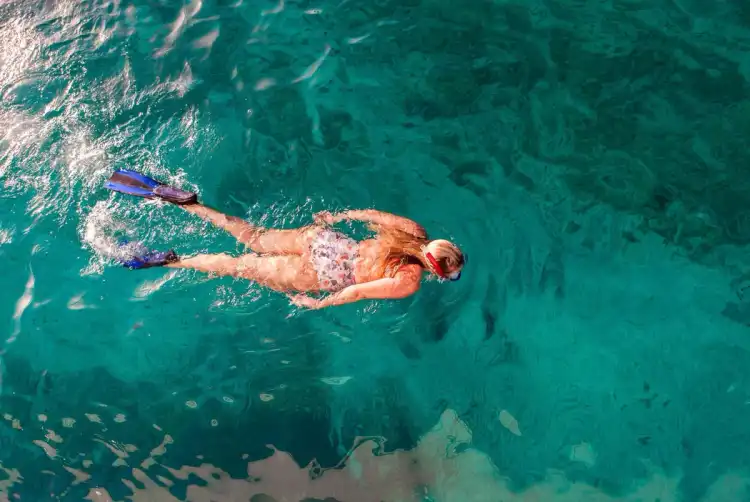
<point x="309" y="259"/>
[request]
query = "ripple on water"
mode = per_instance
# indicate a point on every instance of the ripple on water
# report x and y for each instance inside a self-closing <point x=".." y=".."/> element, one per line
<point x="292" y="102"/>
<point x="6" y="236"/>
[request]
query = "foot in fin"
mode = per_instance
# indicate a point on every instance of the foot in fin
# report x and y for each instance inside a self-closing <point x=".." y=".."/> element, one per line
<point x="134" y="183"/>
<point x="138" y="257"/>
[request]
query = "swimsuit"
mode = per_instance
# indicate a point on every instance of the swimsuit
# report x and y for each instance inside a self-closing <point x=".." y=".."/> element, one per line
<point x="332" y="255"/>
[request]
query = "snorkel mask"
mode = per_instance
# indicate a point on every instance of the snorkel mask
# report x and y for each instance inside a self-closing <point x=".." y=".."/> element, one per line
<point x="453" y="276"/>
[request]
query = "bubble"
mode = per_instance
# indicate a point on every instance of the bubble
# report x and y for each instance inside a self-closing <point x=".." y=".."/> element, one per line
<point x="214" y="422"/>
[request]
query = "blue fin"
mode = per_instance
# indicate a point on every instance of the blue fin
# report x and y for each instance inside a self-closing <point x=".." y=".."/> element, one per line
<point x="134" y="183"/>
<point x="149" y="259"/>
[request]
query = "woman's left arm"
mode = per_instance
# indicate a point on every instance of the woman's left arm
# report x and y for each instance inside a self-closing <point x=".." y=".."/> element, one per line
<point x="400" y="286"/>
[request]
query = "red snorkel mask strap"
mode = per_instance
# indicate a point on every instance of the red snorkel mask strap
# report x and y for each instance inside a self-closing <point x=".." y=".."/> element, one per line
<point x="435" y="265"/>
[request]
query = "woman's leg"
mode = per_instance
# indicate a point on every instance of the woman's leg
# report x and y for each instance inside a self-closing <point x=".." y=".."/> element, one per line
<point x="259" y="239"/>
<point x="282" y="273"/>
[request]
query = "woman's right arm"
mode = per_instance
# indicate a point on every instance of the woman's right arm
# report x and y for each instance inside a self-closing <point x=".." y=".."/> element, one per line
<point x="403" y="284"/>
<point x="381" y="218"/>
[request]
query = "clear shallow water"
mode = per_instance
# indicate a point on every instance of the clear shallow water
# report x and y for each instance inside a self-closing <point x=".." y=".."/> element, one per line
<point x="588" y="156"/>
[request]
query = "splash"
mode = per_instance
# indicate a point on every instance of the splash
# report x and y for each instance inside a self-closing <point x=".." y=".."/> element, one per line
<point x="106" y="234"/>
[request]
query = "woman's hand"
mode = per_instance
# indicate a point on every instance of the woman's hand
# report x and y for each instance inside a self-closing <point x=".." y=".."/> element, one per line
<point x="328" y="218"/>
<point x="324" y="217"/>
<point x="304" y="301"/>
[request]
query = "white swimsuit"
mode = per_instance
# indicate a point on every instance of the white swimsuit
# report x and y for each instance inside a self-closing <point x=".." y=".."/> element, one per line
<point x="332" y="254"/>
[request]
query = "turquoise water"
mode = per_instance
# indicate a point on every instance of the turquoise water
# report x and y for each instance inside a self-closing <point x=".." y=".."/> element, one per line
<point x="590" y="157"/>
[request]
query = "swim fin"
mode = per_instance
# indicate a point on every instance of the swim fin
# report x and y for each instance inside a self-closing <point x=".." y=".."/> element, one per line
<point x="136" y="256"/>
<point x="134" y="183"/>
<point x="150" y="259"/>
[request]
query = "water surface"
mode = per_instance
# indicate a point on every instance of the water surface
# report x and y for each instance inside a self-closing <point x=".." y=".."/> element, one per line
<point x="591" y="158"/>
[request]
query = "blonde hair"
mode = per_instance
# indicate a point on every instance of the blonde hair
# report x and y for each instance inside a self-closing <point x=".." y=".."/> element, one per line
<point x="402" y="248"/>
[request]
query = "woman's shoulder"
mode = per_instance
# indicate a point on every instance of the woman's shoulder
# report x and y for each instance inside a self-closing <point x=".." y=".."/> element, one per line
<point x="410" y="271"/>
<point x="409" y="278"/>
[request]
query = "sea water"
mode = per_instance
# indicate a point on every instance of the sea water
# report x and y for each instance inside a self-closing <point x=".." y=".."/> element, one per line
<point x="591" y="157"/>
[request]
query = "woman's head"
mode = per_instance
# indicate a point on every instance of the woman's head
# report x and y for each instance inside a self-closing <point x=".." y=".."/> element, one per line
<point x="444" y="259"/>
<point x="403" y="248"/>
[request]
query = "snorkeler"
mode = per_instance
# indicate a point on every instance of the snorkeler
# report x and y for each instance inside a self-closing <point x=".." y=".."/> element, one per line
<point x="310" y="259"/>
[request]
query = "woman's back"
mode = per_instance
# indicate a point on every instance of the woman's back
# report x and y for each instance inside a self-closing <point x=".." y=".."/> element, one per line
<point x="366" y="267"/>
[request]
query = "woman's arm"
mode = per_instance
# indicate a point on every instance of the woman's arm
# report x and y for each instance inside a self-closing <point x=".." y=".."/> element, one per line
<point x="379" y="218"/>
<point x="401" y="286"/>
